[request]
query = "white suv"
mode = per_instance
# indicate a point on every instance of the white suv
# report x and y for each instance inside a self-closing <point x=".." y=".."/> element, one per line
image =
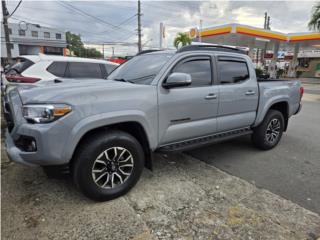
<point x="41" y="69"/>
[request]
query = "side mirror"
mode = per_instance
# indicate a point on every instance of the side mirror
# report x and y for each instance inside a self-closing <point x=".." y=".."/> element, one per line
<point x="177" y="80"/>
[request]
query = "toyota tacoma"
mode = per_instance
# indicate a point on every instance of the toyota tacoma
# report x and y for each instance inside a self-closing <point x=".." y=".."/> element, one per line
<point x="106" y="131"/>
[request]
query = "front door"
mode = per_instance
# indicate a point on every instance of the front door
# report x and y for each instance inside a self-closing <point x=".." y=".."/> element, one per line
<point x="189" y="112"/>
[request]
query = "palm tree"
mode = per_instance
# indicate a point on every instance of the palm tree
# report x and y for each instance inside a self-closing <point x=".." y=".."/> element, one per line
<point x="314" y="23"/>
<point x="183" y="39"/>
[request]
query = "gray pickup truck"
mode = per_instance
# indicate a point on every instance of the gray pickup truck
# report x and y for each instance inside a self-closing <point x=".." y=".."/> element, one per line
<point x="105" y="131"/>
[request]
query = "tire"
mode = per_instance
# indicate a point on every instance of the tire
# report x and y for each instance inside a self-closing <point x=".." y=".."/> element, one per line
<point x="268" y="134"/>
<point x="90" y="163"/>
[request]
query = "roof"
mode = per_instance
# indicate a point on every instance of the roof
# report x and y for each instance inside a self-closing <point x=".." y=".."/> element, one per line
<point x="43" y="57"/>
<point x="258" y="32"/>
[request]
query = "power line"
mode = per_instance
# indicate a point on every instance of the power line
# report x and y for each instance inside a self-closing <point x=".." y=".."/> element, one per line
<point x="29" y="20"/>
<point x="127" y="20"/>
<point x="65" y="4"/>
<point x="16" y="8"/>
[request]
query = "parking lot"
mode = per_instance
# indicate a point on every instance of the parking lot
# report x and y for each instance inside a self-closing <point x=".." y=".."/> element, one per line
<point x="184" y="197"/>
<point x="291" y="169"/>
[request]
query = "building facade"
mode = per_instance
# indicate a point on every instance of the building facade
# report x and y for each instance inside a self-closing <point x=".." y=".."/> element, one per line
<point x="29" y="39"/>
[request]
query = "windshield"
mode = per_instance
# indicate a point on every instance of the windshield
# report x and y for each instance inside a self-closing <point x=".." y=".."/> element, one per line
<point x="141" y="69"/>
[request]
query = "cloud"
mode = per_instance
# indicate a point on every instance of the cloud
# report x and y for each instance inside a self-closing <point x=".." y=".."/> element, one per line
<point x="118" y="23"/>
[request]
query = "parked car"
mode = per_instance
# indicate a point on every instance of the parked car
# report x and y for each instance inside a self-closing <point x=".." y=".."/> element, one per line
<point x="41" y="69"/>
<point x="106" y="131"/>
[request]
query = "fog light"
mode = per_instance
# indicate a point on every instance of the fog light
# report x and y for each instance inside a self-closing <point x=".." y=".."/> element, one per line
<point x="33" y="146"/>
<point x="26" y="144"/>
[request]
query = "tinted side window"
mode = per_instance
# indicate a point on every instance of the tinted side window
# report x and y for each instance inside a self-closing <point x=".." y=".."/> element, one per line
<point x="232" y="71"/>
<point x="57" y="68"/>
<point x="109" y="68"/>
<point x="85" y="70"/>
<point x="199" y="69"/>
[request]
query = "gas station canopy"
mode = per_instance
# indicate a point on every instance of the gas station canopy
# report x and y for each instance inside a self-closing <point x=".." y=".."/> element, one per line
<point x="258" y="38"/>
<point x="248" y="36"/>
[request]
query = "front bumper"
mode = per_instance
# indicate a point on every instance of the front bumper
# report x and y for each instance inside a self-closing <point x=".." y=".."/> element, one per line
<point x="14" y="153"/>
<point x="50" y="146"/>
<point x="50" y="140"/>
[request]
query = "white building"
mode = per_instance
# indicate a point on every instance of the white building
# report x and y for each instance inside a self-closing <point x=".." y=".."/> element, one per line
<point x="27" y="39"/>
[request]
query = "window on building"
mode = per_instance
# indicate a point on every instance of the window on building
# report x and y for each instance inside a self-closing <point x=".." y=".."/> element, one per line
<point x="58" y="35"/>
<point x="198" y="68"/>
<point x="57" y="68"/>
<point x="34" y="33"/>
<point x="46" y="35"/>
<point x="232" y="71"/>
<point x="10" y="30"/>
<point x="22" y="32"/>
<point x="84" y="70"/>
<point x="11" y="46"/>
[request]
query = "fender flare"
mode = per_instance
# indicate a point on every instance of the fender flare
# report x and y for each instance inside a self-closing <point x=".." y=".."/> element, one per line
<point x="106" y="119"/>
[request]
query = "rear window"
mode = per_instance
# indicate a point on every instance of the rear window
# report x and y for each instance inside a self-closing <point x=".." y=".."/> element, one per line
<point x="85" y="70"/>
<point x="110" y="67"/>
<point x="57" y="68"/>
<point x="20" y="65"/>
<point x="232" y="71"/>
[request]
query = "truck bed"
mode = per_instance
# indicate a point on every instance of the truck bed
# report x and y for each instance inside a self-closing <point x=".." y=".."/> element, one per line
<point x="277" y="90"/>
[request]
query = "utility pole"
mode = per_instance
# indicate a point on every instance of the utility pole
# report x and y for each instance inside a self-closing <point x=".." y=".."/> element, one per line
<point x="268" y="23"/>
<point x="200" y="31"/>
<point x="161" y="35"/>
<point x="139" y="27"/>
<point x="5" y="14"/>
<point x="265" y="20"/>
<point x="102" y="50"/>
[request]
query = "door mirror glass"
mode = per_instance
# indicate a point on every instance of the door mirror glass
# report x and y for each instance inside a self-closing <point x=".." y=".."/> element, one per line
<point x="177" y="80"/>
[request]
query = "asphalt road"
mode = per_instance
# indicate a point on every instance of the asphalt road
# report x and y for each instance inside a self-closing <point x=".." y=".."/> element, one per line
<point x="291" y="170"/>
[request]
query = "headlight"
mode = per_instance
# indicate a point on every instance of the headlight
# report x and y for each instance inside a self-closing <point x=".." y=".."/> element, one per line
<point x="44" y="113"/>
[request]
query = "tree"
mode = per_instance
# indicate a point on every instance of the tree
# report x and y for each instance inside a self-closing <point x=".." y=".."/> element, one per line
<point x="183" y="39"/>
<point x="75" y="45"/>
<point x="314" y="23"/>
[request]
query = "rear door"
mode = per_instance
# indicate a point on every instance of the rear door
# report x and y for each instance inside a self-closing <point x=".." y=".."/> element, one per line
<point x="191" y="111"/>
<point x="238" y="92"/>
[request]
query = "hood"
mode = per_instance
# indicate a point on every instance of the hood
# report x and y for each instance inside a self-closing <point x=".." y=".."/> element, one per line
<point x="62" y="91"/>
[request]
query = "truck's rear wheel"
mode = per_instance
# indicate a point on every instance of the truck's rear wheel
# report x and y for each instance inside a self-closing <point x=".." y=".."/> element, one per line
<point x="108" y="165"/>
<point x="268" y="134"/>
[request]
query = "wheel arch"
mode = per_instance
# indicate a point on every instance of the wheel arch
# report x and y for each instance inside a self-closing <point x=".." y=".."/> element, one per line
<point x="134" y="128"/>
<point x="281" y="105"/>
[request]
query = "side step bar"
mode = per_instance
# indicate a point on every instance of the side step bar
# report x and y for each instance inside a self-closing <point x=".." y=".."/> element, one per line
<point x="203" y="141"/>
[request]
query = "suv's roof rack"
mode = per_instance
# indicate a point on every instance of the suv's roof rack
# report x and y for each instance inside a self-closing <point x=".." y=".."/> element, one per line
<point x="147" y="51"/>
<point x="204" y="47"/>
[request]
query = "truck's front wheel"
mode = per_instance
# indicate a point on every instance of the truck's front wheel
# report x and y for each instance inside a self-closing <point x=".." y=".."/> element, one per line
<point x="268" y="134"/>
<point x="107" y="165"/>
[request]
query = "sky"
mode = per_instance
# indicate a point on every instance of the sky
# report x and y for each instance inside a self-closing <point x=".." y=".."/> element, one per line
<point x="116" y="21"/>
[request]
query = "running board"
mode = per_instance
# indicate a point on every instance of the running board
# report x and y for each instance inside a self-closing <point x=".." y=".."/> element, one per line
<point x="203" y="141"/>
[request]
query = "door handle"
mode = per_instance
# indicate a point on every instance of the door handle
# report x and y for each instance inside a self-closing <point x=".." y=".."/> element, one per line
<point x="211" y="96"/>
<point x="250" y="92"/>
